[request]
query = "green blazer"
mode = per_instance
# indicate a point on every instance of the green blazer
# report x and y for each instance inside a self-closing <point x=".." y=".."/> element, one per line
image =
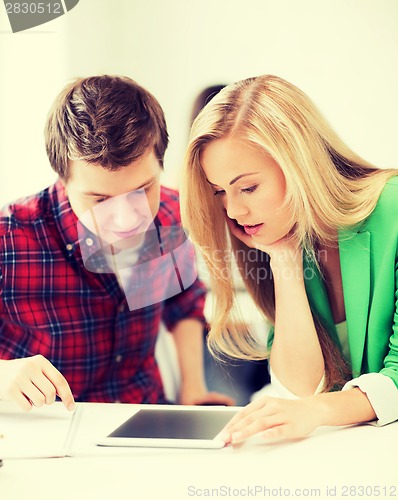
<point x="369" y="267"/>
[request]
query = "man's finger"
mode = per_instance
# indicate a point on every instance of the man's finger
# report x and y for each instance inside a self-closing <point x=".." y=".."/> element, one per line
<point x="46" y="387"/>
<point x="20" y="399"/>
<point x="61" y="385"/>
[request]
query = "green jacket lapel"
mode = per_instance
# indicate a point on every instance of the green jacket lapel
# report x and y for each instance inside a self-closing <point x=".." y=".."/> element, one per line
<point x="318" y="297"/>
<point x="354" y="250"/>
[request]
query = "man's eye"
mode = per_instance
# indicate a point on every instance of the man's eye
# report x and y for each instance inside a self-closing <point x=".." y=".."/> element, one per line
<point x="250" y="189"/>
<point x="139" y="192"/>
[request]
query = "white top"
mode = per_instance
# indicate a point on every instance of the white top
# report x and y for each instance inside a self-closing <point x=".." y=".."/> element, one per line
<point x="380" y="389"/>
<point x="342" y="333"/>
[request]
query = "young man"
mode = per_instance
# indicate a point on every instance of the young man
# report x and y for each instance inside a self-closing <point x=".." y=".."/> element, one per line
<point x="88" y="333"/>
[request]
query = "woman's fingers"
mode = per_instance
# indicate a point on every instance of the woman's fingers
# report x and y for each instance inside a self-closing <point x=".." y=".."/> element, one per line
<point x="272" y="419"/>
<point x="246" y="411"/>
<point x="255" y="425"/>
<point x="250" y="418"/>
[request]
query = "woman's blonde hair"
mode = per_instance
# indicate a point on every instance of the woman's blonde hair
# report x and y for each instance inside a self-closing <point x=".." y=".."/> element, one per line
<point x="328" y="187"/>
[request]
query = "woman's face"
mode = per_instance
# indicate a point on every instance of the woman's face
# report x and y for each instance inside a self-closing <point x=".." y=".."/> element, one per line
<point x="251" y="187"/>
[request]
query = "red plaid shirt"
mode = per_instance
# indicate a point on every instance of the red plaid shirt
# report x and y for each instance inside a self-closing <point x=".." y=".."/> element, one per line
<point x="50" y="304"/>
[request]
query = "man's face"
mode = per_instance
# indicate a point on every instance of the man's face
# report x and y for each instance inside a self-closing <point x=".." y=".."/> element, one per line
<point x="117" y="206"/>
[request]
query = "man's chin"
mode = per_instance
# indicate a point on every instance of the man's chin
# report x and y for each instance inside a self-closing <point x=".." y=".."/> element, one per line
<point x="125" y="243"/>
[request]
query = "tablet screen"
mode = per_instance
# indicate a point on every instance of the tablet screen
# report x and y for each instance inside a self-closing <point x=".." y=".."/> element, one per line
<point x="174" y="424"/>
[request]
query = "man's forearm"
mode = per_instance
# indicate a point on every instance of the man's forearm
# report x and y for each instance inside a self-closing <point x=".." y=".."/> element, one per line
<point x="188" y="337"/>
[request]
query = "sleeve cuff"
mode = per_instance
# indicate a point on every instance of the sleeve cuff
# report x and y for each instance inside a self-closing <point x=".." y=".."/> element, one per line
<point x="382" y="394"/>
<point x="283" y="392"/>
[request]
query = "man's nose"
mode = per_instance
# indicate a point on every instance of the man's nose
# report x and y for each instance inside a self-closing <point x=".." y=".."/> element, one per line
<point x="125" y="215"/>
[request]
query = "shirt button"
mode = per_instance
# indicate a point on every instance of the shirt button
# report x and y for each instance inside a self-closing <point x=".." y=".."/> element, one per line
<point x="89" y="242"/>
<point x="118" y="358"/>
<point x="69" y="247"/>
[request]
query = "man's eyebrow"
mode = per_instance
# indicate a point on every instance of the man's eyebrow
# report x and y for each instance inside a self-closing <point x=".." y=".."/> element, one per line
<point x="235" y="179"/>
<point x="95" y="195"/>
<point x="103" y="195"/>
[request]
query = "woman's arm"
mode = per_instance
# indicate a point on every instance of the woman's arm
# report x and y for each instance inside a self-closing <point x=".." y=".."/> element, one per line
<point x="278" y="418"/>
<point x="296" y="355"/>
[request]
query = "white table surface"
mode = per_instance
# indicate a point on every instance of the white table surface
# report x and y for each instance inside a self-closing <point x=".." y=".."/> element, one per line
<point x="347" y="462"/>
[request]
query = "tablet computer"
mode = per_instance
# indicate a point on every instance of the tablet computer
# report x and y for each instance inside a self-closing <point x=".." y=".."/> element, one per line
<point x="183" y="427"/>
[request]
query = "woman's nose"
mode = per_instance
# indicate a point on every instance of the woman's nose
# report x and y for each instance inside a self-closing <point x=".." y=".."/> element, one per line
<point x="235" y="208"/>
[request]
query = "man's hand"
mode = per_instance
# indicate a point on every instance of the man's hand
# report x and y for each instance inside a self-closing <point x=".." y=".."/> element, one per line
<point x="204" y="397"/>
<point x="33" y="381"/>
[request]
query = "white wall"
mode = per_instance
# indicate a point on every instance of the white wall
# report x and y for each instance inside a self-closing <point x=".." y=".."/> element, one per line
<point x="343" y="53"/>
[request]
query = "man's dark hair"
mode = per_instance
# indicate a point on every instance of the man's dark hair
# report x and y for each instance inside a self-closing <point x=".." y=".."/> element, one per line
<point x="105" y="120"/>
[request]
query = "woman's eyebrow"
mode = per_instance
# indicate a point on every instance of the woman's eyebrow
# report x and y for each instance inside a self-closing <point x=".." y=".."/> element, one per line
<point x="235" y="179"/>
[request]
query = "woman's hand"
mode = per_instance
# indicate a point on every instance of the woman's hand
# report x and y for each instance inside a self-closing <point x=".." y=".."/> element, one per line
<point x="33" y="381"/>
<point x="273" y="419"/>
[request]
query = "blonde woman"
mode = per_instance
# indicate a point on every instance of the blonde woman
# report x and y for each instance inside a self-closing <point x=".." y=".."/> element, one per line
<point x="313" y="229"/>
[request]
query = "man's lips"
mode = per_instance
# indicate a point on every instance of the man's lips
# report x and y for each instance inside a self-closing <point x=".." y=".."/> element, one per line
<point x="131" y="232"/>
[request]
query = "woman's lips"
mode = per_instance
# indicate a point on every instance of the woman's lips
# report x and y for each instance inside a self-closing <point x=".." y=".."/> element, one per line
<point x="251" y="230"/>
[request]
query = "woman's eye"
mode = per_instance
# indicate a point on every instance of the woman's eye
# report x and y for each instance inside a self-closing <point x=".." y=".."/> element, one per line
<point x="220" y="191"/>
<point x="100" y="200"/>
<point x="250" y="189"/>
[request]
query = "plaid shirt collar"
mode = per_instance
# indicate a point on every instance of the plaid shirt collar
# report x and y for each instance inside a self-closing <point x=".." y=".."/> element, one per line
<point x="65" y="219"/>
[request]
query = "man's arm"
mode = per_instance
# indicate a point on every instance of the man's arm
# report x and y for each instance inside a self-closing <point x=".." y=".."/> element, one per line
<point x="188" y="337"/>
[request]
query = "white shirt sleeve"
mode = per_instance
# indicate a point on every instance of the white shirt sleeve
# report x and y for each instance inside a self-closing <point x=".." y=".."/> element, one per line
<point x="380" y="390"/>
<point x="382" y="394"/>
<point x="283" y="392"/>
